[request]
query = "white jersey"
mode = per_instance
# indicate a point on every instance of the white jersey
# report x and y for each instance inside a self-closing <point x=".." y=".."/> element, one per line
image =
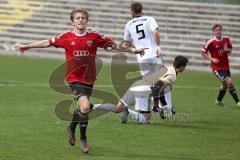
<point x="166" y="74"/>
<point x="141" y="89"/>
<point x="139" y="31"/>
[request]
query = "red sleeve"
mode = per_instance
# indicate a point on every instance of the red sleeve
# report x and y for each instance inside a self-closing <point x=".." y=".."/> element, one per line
<point x="104" y="42"/>
<point x="229" y="44"/>
<point x="57" y="41"/>
<point x="205" y="47"/>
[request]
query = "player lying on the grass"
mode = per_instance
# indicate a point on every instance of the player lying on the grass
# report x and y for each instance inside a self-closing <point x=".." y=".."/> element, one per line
<point x="80" y="44"/>
<point x="220" y="48"/>
<point x="152" y="85"/>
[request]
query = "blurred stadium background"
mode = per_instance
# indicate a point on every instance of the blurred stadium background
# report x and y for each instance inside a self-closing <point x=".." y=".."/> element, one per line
<point x="184" y="25"/>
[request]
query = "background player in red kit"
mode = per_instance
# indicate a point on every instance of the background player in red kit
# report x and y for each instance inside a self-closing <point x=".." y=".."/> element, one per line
<point x="80" y="46"/>
<point x="220" y="48"/>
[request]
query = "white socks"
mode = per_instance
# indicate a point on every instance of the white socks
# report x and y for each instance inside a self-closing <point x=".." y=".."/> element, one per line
<point x="105" y="107"/>
<point x="138" y="117"/>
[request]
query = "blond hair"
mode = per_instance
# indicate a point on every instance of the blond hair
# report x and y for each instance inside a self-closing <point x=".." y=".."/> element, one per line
<point x="78" y="10"/>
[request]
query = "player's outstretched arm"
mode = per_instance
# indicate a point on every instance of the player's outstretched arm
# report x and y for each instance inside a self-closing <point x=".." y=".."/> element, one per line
<point x="140" y="51"/>
<point x="125" y="47"/>
<point x="39" y="44"/>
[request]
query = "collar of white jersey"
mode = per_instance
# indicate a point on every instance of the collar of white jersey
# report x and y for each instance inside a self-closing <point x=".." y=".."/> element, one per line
<point x="137" y="16"/>
<point x="172" y="68"/>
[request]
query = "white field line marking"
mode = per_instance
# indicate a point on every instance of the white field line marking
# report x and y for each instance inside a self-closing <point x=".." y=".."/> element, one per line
<point x="42" y="84"/>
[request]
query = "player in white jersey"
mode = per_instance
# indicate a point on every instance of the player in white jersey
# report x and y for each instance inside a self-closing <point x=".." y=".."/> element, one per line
<point x="161" y="79"/>
<point x="143" y="32"/>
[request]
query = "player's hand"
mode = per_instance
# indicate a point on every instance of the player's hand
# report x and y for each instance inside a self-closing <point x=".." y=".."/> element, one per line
<point x="140" y="51"/>
<point x="226" y="49"/>
<point x="158" y="51"/>
<point x="167" y="112"/>
<point x="215" y="60"/>
<point x="110" y="37"/>
<point x="20" y="48"/>
<point x="155" y="108"/>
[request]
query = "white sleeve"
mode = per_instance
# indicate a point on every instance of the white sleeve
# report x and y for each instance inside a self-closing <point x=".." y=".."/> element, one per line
<point x="127" y="36"/>
<point x="153" y="24"/>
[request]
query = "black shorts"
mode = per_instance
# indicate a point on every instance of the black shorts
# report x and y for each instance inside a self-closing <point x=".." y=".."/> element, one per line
<point x="222" y="75"/>
<point x="80" y="89"/>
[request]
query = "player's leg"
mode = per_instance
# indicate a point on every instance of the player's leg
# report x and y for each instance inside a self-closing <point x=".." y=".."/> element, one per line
<point x="146" y="118"/>
<point x="119" y="107"/>
<point x="221" y="94"/>
<point x="80" y="116"/>
<point x="75" y="117"/>
<point x="227" y="83"/>
<point x="140" y="117"/>
<point x="82" y="93"/>
<point x="147" y="67"/>
<point x="232" y="90"/>
<point x="222" y="76"/>
<point x="143" y="108"/>
<point x="105" y="107"/>
<point x="141" y="91"/>
<point x="122" y="106"/>
<point x="84" y="109"/>
<point x="130" y="99"/>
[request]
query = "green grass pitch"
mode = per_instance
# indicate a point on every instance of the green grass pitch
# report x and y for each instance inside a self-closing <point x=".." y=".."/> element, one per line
<point x="30" y="130"/>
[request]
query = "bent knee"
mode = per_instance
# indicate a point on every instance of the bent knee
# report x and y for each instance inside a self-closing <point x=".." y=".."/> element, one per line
<point x="84" y="107"/>
<point x="229" y="83"/>
<point x="119" y="107"/>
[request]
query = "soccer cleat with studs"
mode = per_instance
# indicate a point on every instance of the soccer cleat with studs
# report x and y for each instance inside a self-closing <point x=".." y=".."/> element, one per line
<point x="217" y="102"/>
<point x="83" y="146"/>
<point x="124" y="115"/>
<point x="238" y="104"/>
<point x="71" y="135"/>
<point x="161" y="113"/>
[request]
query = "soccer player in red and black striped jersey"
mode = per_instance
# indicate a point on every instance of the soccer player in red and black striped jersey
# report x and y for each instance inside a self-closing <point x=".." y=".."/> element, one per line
<point x="80" y="46"/>
<point x="220" y="48"/>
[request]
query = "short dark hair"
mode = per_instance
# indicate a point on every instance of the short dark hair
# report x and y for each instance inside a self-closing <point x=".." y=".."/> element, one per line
<point x="77" y="10"/>
<point x="216" y="25"/>
<point x="136" y="7"/>
<point x="180" y="61"/>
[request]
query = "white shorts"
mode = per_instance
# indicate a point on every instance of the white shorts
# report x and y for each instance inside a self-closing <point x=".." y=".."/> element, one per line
<point x="139" y="95"/>
<point x="150" y="65"/>
<point x="143" y="104"/>
<point x="147" y="66"/>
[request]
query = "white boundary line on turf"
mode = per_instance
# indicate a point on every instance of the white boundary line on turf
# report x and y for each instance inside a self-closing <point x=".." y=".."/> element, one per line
<point x="41" y="84"/>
